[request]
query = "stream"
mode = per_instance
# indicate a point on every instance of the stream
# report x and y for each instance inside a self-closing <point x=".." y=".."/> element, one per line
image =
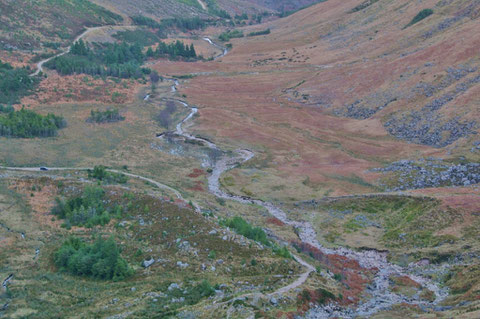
<point x="380" y="296"/>
<point x="223" y="49"/>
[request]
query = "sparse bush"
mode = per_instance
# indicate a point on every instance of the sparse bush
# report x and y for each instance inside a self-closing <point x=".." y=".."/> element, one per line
<point x="171" y="107"/>
<point x="107" y="116"/>
<point x="202" y="290"/>
<point x="164" y="117"/>
<point x="226" y="36"/>
<point x="154" y="77"/>
<point x="221" y="201"/>
<point x="100" y="172"/>
<point x="263" y="32"/>
<point x="85" y="210"/>
<point x="363" y="5"/>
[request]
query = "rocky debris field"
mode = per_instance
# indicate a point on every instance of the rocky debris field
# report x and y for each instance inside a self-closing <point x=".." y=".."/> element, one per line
<point x="426" y="126"/>
<point x="432" y="172"/>
<point x="365" y="108"/>
<point x="469" y="11"/>
<point x="429" y="129"/>
<point x="423" y="125"/>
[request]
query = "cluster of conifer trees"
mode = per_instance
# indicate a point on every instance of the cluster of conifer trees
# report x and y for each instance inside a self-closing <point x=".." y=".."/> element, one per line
<point x="173" y="50"/>
<point x="119" y="60"/>
<point x="27" y="124"/>
<point x="15" y="83"/>
<point x="100" y="259"/>
<point x="184" y="24"/>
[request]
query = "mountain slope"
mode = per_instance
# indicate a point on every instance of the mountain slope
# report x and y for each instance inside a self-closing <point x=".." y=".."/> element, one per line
<point x="26" y="24"/>
<point x="342" y="92"/>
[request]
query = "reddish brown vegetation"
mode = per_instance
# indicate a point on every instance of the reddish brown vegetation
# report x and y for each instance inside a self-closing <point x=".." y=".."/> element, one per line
<point x="275" y="221"/>
<point x="198" y="186"/>
<point x="354" y="278"/>
<point x="196" y="173"/>
<point x="58" y="89"/>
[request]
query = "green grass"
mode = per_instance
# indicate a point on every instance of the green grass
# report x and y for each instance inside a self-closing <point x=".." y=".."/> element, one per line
<point x="78" y="142"/>
<point x="353" y="179"/>
<point x="406" y="221"/>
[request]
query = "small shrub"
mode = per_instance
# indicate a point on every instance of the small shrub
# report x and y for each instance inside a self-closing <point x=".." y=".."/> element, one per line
<point x="212" y="254"/>
<point x="420" y="16"/>
<point x="244" y="228"/>
<point x="100" y="173"/>
<point x="282" y="252"/>
<point x="263" y="32"/>
<point x="363" y="5"/>
<point x="196" y="293"/>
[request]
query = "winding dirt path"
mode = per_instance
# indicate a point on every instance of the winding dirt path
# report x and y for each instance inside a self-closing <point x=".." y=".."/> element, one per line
<point x="66" y="50"/>
<point x="202" y="4"/>
<point x="80" y="36"/>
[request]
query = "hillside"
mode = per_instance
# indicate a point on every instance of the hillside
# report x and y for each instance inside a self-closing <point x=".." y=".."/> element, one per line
<point x="240" y="159"/>
<point x="48" y="23"/>
<point x="387" y="87"/>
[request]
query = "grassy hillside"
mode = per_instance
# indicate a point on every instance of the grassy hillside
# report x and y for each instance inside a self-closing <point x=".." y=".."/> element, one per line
<point x="178" y="260"/>
<point x="51" y="23"/>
